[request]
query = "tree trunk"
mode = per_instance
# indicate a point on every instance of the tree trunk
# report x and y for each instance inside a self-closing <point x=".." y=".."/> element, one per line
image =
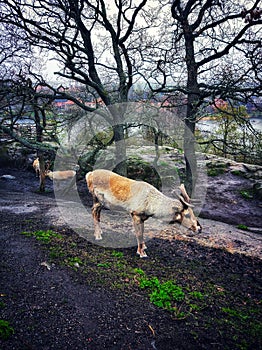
<point x="192" y="105"/>
<point x="156" y="143"/>
<point x="120" y="149"/>
<point x="190" y="157"/>
<point x="42" y="173"/>
<point x="39" y="138"/>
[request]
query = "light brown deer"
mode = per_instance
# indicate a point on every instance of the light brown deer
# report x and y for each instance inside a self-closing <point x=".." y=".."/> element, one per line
<point x="60" y="175"/>
<point x="36" y="167"/>
<point x="141" y="200"/>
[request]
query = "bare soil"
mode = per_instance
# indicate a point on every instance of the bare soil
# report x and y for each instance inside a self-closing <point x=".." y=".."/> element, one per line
<point x="72" y="294"/>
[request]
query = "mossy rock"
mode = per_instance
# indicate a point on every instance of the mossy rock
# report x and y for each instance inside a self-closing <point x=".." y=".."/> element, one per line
<point x="216" y="167"/>
<point x="138" y="169"/>
<point x="238" y="172"/>
<point x="217" y="164"/>
<point x="215" y="171"/>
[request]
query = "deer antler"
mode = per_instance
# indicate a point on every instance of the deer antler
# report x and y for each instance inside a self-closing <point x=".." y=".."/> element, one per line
<point x="184" y="194"/>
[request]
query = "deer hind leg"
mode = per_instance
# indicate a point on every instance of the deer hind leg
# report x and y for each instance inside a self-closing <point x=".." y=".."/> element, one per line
<point x="138" y="222"/>
<point x="96" y="210"/>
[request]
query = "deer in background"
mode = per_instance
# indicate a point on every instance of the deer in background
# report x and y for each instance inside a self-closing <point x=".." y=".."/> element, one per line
<point x="141" y="200"/>
<point x="63" y="175"/>
<point x="60" y="175"/>
<point x="36" y="166"/>
<point x="40" y="166"/>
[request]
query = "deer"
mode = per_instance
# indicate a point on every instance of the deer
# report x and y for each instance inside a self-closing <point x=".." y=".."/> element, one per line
<point x="63" y="175"/>
<point x="36" y="167"/>
<point x="60" y="174"/>
<point x="141" y="200"/>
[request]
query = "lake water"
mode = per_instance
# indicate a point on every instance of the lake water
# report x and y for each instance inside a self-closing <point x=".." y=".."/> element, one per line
<point x="211" y="125"/>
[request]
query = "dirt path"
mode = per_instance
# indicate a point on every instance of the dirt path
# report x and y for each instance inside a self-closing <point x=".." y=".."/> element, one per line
<point x="215" y="234"/>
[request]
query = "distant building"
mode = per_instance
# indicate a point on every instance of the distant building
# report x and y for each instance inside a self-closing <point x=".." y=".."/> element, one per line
<point x="63" y="104"/>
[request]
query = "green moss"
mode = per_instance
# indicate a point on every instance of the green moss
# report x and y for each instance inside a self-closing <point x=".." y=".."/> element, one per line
<point x="216" y="171"/>
<point x="237" y="173"/>
<point x="242" y="227"/>
<point x="216" y="168"/>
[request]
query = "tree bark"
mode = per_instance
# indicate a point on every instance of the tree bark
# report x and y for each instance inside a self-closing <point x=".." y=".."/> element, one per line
<point x="120" y="149"/>
<point x="39" y="138"/>
<point x="193" y="95"/>
<point x="42" y="175"/>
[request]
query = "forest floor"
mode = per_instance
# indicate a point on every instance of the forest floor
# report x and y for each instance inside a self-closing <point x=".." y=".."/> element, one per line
<point x="59" y="290"/>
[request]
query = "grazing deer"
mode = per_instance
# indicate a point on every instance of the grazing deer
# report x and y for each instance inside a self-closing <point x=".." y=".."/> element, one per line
<point x="36" y="166"/>
<point x="60" y="175"/>
<point x="141" y="200"/>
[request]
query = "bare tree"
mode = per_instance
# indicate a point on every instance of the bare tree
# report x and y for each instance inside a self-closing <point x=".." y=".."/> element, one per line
<point x="107" y="46"/>
<point x="24" y="116"/>
<point x="91" y="39"/>
<point x="211" y="50"/>
<point x="216" y="35"/>
<point x="23" y="108"/>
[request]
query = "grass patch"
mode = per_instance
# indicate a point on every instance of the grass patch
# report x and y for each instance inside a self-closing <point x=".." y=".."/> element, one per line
<point x="164" y="295"/>
<point x="105" y="265"/>
<point x="246" y="194"/>
<point x="6" y="331"/>
<point x="235" y="313"/>
<point x="43" y="236"/>
<point x="242" y="227"/>
<point x="117" y="254"/>
<point x="242" y="322"/>
<point x="184" y="288"/>
<point x="74" y="262"/>
<point x="170" y="296"/>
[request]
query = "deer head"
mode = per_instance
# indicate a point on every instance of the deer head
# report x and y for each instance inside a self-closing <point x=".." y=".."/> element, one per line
<point x="187" y="217"/>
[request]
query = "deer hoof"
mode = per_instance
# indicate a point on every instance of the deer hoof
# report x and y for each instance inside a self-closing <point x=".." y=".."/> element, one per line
<point x="98" y="236"/>
<point x="142" y="255"/>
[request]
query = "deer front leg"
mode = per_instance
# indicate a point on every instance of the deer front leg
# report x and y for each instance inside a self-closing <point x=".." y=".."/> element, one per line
<point x="139" y="230"/>
<point x="96" y="210"/>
